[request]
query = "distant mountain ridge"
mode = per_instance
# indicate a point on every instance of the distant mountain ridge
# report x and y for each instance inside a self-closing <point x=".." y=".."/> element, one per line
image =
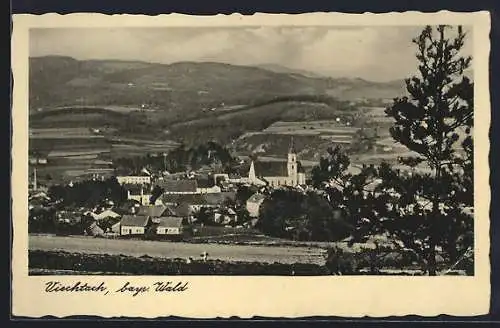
<point x="59" y="80"/>
<point x="283" y="69"/>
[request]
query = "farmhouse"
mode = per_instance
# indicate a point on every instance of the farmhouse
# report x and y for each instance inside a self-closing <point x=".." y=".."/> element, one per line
<point x="136" y="193"/>
<point x="94" y="230"/>
<point x="154" y="211"/>
<point x="225" y="216"/>
<point x="278" y="173"/>
<point x="105" y="214"/>
<point x="254" y="203"/>
<point x="180" y="187"/>
<point x="133" y="225"/>
<point x="207" y="186"/>
<point x="171" y="226"/>
<point x="185" y="205"/>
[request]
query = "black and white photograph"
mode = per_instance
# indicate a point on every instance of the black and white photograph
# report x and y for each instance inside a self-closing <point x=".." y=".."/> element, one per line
<point x="269" y="151"/>
<point x="292" y="150"/>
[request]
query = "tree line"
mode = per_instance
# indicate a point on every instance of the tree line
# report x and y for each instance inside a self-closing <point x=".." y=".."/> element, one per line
<point x="179" y="159"/>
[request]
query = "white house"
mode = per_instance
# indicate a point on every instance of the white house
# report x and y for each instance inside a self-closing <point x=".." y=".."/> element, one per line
<point x="133" y="225"/>
<point x="105" y="214"/>
<point x="169" y="226"/>
<point x="254" y="203"/>
<point x="180" y="187"/>
<point x="207" y="186"/>
<point x="134" y="179"/>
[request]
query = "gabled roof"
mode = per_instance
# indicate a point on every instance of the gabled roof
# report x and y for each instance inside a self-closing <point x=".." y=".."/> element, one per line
<point x="105" y="214"/>
<point x="152" y="210"/>
<point x="219" y="197"/>
<point x="192" y="199"/>
<point x="199" y="199"/>
<point x="134" y="220"/>
<point x="178" y="185"/>
<point x="170" y="222"/>
<point x="182" y="210"/>
<point x="205" y="182"/>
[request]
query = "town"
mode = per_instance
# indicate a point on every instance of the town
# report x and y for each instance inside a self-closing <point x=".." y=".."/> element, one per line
<point x="163" y="205"/>
<point x="220" y="168"/>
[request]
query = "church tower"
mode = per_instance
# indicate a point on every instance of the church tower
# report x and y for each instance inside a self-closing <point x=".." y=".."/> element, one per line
<point x="292" y="163"/>
<point x="251" y="173"/>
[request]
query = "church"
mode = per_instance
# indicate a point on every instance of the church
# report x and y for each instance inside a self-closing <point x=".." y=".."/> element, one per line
<point x="278" y="173"/>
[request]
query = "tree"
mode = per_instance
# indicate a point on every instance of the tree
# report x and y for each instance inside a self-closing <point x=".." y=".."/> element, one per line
<point x="332" y="169"/>
<point x="437" y="115"/>
<point x="204" y="215"/>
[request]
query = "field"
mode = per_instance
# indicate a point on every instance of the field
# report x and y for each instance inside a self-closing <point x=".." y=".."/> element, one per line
<point x="137" y="248"/>
<point x="82" y="149"/>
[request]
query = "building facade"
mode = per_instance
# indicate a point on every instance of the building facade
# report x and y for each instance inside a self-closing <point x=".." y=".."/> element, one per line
<point x="278" y="173"/>
<point x="134" y="179"/>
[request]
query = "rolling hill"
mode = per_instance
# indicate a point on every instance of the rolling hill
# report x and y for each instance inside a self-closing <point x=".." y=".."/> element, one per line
<point x="184" y="86"/>
<point x="189" y="101"/>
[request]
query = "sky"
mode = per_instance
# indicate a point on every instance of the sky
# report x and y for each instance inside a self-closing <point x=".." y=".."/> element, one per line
<point x="371" y="53"/>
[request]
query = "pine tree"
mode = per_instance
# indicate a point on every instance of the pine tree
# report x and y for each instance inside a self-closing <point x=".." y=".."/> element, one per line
<point x="435" y="122"/>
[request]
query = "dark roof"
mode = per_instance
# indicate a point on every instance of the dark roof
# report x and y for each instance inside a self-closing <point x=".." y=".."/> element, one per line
<point x="271" y="169"/>
<point x="134" y="220"/>
<point x="205" y="182"/>
<point x="153" y="210"/>
<point x="170" y="221"/>
<point x="182" y="210"/>
<point x="218" y="198"/>
<point x="178" y="185"/>
<point x="192" y="199"/>
<point x="199" y="199"/>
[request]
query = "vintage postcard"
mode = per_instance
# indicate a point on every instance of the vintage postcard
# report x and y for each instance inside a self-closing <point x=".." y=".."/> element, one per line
<point x="320" y="164"/>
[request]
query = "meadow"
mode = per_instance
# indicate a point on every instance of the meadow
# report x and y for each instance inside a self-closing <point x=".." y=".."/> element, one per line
<point x="138" y="248"/>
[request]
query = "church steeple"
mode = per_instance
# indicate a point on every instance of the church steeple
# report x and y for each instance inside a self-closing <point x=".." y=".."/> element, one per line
<point x="292" y="162"/>
<point x="291" y="150"/>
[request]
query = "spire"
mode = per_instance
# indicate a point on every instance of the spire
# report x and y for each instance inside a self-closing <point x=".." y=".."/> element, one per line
<point x="251" y="173"/>
<point x="291" y="150"/>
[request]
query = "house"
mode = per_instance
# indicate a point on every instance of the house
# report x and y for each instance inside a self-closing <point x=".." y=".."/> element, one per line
<point x="155" y="211"/>
<point x="136" y="193"/>
<point x="105" y="214"/>
<point x="207" y="186"/>
<point x="37" y="160"/>
<point x="254" y="203"/>
<point x="115" y="228"/>
<point x="180" y="187"/>
<point x="134" y="225"/>
<point x="197" y="201"/>
<point x="177" y="199"/>
<point x="278" y="173"/>
<point x="225" y="216"/>
<point x="182" y="210"/>
<point x="172" y="226"/>
<point x="94" y="230"/>
<point x="134" y="179"/>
